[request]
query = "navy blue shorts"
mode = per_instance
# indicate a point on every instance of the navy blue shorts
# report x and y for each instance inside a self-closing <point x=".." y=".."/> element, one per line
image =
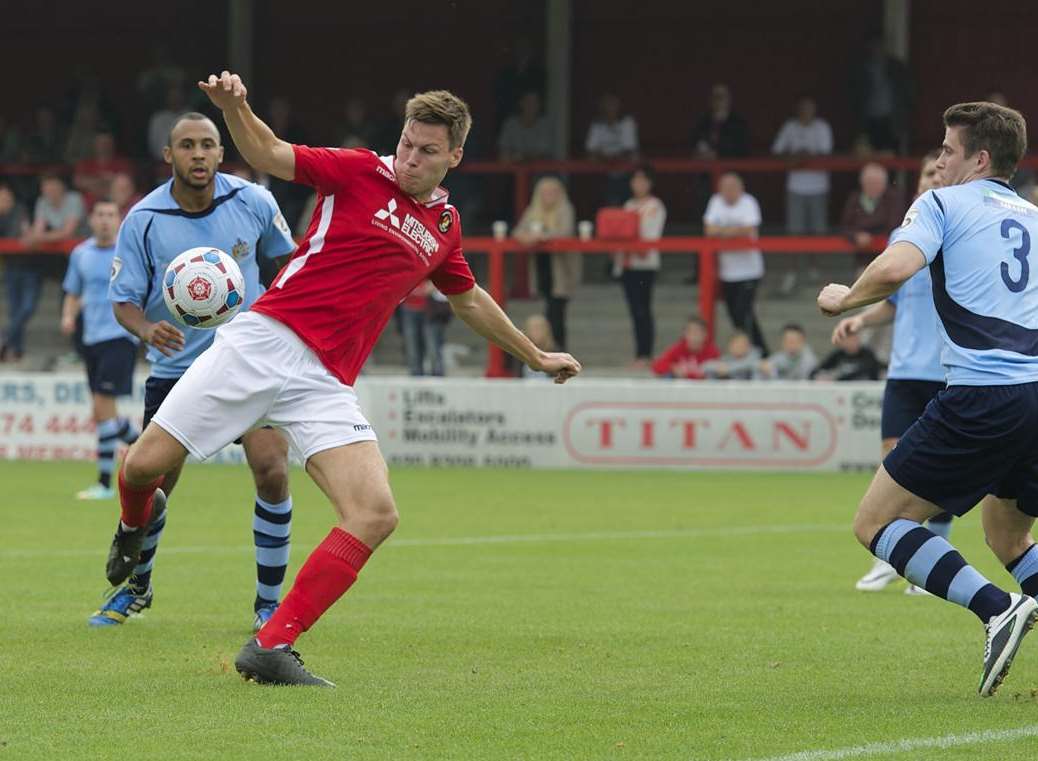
<point x="903" y="403"/>
<point x="109" y="366"/>
<point x="972" y="441"/>
<point x="155" y="392"/>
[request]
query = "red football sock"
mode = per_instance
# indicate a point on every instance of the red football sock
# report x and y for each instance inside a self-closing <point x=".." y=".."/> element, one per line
<point x="135" y="501"/>
<point x="330" y="570"/>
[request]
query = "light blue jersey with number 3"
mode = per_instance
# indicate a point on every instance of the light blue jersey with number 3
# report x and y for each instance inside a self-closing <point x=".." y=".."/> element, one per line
<point x="977" y="239"/>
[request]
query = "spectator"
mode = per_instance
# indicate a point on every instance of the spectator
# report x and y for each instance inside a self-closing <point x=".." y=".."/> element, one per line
<point x="22" y="286"/>
<point x="873" y="209"/>
<point x="123" y="192"/>
<point x="612" y="137"/>
<point x="637" y="270"/>
<point x="389" y="131"/>
<point x="291" y="197"/>
<point x="10" y="142"/>
<point x="86" y="123"/>
<point x="881" y="95"/>
<point x="154" y="83"/>
<point x="524" y="73"/>
<point x="45" y="143"/>
<point x="424" y="316"/>
<point x="795" y="361"/>
<point x="807" y="190"/>
<point x="360" y="132"/>
<point x="538" y="330"/>
<point x="688" y="357"/>
<point x="161" y="122"/>
<point x="526" y="135"/>
<point x="93" y="176"/>
<point x="741" y="360"/>
<point x="849" y="361"/>
<point x="550" y="215"/>
<point x="720" y="132"/>
<point x="59" y="212"/>
<point x="734" y="213"/>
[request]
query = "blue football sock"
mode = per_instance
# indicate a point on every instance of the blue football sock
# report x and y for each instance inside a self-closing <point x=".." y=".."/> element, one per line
<point x="928" y="561"/>
<point x="128" y="432"/>
<point x="141" y="578"/>
<point x="1025" y="571"/>
<point x="107" y="438"/>
<point x="272" y="531"/>
<point x="940" y="525"/>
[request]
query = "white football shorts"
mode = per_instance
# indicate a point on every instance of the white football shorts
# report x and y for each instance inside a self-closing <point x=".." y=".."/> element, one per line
<point x="259" y="372"/>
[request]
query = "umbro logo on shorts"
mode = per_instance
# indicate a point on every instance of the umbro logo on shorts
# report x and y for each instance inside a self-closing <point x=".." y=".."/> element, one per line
<point x="364" y="427"/>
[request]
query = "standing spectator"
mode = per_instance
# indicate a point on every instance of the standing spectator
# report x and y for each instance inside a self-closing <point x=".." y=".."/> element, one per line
<point x="849" y="361"/>
<point x="807" y="190"/>
<point x="734" y="213"/>
<point x="720" y="132"/>
<point x="93" y="176"/>
<point x="524" y="73"/>
<point x="612" y="137"/>
<point x="881" y="96"/>
<point x="154" y="83"/>
<point x="424" y="315"/>
<point x="526" y="135"/>
<point x="550" y="215"/>
<point x="123" y="192"/>
<point x="291" y="197"/>
<point x="689" y="356"/>
<point x="21" y="301"/>
<point x="162" y="121"/>
<point x="794" y="361"/>
<point x="741" y="360"/>
<point x="45" y="143"/>
<point x="873" y="209"/>
<point x="637" y="270"/>
<point x="79" y="144"/>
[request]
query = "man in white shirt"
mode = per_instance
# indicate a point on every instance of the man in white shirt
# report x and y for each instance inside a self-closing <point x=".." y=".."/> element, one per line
<point x="807" y="190"/>
<point x="613" y="137"/>
<point x="734" y="213"/>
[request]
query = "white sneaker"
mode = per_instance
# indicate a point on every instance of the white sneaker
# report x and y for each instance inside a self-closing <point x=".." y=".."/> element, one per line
<point x="912" y="589"/>
<point x="96" y="491"/>
<point x="1004" y="634"/>
<point x="881" y="575"/>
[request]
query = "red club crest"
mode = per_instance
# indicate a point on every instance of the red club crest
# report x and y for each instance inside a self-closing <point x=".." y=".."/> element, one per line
<point x="199" y="289"/>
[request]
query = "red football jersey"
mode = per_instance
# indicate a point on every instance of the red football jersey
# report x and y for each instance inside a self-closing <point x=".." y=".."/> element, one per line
<point x="368" y="245"/>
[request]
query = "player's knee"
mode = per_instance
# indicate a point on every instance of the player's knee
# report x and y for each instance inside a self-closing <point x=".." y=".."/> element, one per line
<point x="865" y="528"/>
<point x="271" y="477"/>
<point x="381" y="517"/>
<point x="141" y="465"/>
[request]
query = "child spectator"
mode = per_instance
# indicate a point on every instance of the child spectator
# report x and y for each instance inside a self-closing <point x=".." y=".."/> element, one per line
<point x="849" y="361"/>
<point x="687" y="357"/>
<point x="741" y="360"/>
<point x="795" y="361"/>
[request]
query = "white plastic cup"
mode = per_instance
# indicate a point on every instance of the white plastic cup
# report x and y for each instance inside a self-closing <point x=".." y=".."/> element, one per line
<point x="500" y="229"/>
<point x="586" y="229"/>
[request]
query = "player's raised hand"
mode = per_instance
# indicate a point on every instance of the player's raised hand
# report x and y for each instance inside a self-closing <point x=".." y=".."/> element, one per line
<point x="559" y="365"/>
<point x="847" y="327"/>
<point x="164" y="337"/>
<point x="225" y="91"/>
<point x="830" y="300"/>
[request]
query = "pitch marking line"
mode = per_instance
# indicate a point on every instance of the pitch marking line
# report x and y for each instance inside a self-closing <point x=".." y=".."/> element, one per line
<point x="463" y="541"/>
<point x="910" y="744"/>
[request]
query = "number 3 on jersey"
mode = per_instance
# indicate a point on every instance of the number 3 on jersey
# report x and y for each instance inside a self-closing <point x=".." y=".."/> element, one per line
<point x="1008" y="225"/>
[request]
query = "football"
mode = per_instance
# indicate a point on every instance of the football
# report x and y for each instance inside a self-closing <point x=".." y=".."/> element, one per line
<point x="203" y="287"/>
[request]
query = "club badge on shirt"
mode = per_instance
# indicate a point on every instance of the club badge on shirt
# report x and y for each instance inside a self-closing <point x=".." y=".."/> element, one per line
<point x="117" y="266"/>
<point x="446" y="220"/>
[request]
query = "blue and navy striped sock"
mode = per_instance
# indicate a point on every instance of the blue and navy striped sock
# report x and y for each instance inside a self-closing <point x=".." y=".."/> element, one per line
<point x="128" y="432"/>
<point x="1025" y="571"/>
<point x="928" y="561"/>
<point x="272" y="531"/>
<point x="940" y="525"/>
<point x="141" y="578"/>
<point x="107" y="438"/>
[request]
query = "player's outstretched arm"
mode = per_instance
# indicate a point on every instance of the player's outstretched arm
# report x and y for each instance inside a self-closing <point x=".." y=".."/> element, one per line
<point x="880" y="313"/>
<point x="480" y="312"/>
<point x="255" y="141"/>
<point x="881" y="278"/>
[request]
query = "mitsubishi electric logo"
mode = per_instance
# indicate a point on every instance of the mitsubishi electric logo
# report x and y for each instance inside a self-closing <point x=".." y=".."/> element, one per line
<point x="381" y="214"/>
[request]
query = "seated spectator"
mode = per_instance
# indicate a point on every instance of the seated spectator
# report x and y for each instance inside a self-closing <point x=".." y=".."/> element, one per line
<point x="526" y="135"/>
<point x="849" y="361"/>
<point x="550" y="215"/>
<point x="20" y="276"/>
<point x="688" y="357"/>
<point x="93" y="176"/>
<point x="538" y="330"/>
<point x="741" y="360"/>
<point x="873" y="209"/>
<point x="161" y="122"/>
<point x="637" y="269"/>
<point x="59" y="213"/>
<point x="795" y="361"/>
<point x="613" y="137"/>
<point x="720" y="132"/>
<point x="734" y="213"/>
<point x="123" y="193"/>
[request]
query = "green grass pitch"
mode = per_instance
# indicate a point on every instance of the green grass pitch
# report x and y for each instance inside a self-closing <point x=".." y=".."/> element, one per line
<point x="514" y="615"/>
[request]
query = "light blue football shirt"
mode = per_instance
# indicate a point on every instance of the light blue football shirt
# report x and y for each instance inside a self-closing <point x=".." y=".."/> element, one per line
<point x="87" y="276"/>
<point x="915" y="349"/>
<point x="977" y="239"/>
<point x="243" y="220"/>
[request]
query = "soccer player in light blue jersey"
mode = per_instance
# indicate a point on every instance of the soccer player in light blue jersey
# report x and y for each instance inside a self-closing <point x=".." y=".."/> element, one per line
<point x="915" y="375"/>
<point x="980" y="435"/>
<point x="199" y="206"/>
<point x="108" y="349"/>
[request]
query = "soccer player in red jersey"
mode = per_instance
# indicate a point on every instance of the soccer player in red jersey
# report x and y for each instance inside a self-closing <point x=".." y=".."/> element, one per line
<point x="382" y="225"/>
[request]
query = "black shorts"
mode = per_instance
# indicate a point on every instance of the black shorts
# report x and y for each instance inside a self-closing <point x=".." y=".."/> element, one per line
<point x="972" y="441"/>
<point x="155" y="392"/>
<point x="109" y="366"/>
<point x="903" y="403"/>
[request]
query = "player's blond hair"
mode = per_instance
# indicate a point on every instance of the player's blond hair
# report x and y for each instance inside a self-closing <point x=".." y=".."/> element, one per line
<point x="441" y="107"/>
